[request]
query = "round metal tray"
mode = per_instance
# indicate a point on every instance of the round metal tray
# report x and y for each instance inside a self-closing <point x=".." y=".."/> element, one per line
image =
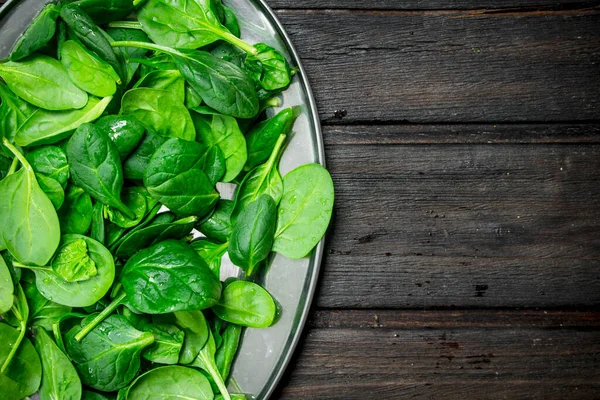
<point x="264" y="353"/>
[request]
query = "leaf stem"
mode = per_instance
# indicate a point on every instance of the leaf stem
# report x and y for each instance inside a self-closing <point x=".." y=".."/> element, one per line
<point x="231" y="38"/>
<point x="13" y="166"/>
<point x="101" y="317"/>
<point x="147" y="46"/>
<point x="16" y="345"/>
<point x="125" y="24"/>
<point x="32" y="267"/>
<point x="17" y="154"/>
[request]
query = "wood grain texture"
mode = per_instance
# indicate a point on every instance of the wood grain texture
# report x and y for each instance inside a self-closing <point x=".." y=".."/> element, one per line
<point x="468" y="225"/>
<point x="425" y="355"/>
<point x="453" y="66"/>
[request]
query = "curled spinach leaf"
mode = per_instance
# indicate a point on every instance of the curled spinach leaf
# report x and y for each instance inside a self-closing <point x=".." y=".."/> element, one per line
<point x="73" y="262"/>
<point x="167" y="277"/>
<point x="75" y="215"/>
<point x="125" y="132"/>
<point x="38" y="34"/>
<point x="175" y="178"/>
<point x="96" y="166"/>
<point x="50" y="161"/>
<point x="196" y="334"/>
<point x="218" y="225"/>
<point x="275" y="71"/>
<point x="43" y="82"/>
<point x="305" y="210"/>
<point x="135" y="200"/>
<point x="246" y="304"/>
<point x="211" y="253"/>
<point x="253" y="233"/>
<point x="14" y="112"/>
<point x="97" y="230"/>
<point x="30" y="227"/>
<point x="108" y="358"/>
<point x="59" y="378"/>
<point x="206" y="361"/>
<point x="228" y="349"/>
<point x="159" y="110"/>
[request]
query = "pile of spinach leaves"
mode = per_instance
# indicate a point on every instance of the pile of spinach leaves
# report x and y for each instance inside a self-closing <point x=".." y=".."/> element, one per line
<point x="118" y="119"/>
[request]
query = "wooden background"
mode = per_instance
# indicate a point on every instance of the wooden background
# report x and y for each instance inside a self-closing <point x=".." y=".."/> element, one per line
<point x="464" y="259"/>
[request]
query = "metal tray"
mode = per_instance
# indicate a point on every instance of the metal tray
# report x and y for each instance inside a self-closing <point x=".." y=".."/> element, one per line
<point x="264" y="353"/>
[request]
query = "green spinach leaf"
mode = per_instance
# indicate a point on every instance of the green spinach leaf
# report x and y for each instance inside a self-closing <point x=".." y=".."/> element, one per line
<point x="23" y="377"/>
<point x="7" y="287"/>
<point x="206" y="361"/>
<point x="253" y="233"/>
<point x="50" y="161"/>
<point x="211" y="253"/>
<point x="73" y="263"/>
<point x="263" y="137"/>
<point x="218" y="225"/>
<point x="125" y="132"/>
<point x="53" y="190"/>
<point x="105" y="11"/>
<point x="38" y="34"/>
<point x="276" y="72"/>
<point x="108" y="358"/>
<point x="42" y="312"/>
<point x="96" y="166"/>
<point x="43" y="82"/>
<point x="75" y="215"/>
<point x="14" y="112"/>
<point x="196" y="331"/>
<point x="128" y="54"/>
<point x="97" y="230"/>
<point x="170" y="382"/>
<point x="228" y="349"/>
<point x="247" y="304"/>
<point x="135" y="200"/>
<point x="59" y="377"/>
<point x="167" y="277"/>
<point x="305" y="210"/>
<point x="169" y="80"/>
<point x="136" y="164"/>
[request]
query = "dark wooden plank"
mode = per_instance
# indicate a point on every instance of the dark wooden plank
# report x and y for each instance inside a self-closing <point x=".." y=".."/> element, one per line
<point x="428" y="4"/>
<point x="451" y="66"/>
<point x="450" y="355"/>
<point x="472" y="225"/>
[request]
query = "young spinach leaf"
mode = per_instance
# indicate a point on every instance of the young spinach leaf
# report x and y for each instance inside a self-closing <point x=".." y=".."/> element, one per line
<point x="59" y="377"/>
<point x="97" y="230"/>
<point x="228" y="349"/>
<point x="23" y="377"/>
<point x="264" y="179"/>
<point x="43" y="82"/>
<point x="161" y="111"/>
<point x="196" y="334"/>
<point x="18" y="316"/>
<point x="30" y="227"/>
<point x="38" y="34"/>
<point x="136" y="164"/>
<point x="73" y="263"/>
<point x="75" y="215"/>
<point x="263" y="137"/>
<point x="223" y="132"/>
<point x="135" y="200"/>
<point x="105" y="11"/>
<point x="213" y="164"/>
<point x="82" y="293"/>
<point x="169" y="80"/>
<point x="86" y="71"/>
<point x="14" y="112"/>
<point x="218" y="225"/>
<point x="7" y="287"/>
<point x="108" y="358"/>
<point x="128" y="54"/>
<point x="53" y="190"/>
<point x="206" y="361"/>
<point x="168" y="342"/>
<point x="125" y="132"/>
<point x="50" y="161"/>
<point x="276" y="72"/>
<point x="211" y="253"/>
<point x="42" y="312"/>
<point x="175" y="178"/>
<point x="252" y="235"/>
<point x="96" y="166"/>
<point x="305" y="210"/>
<point x="160" y="383"/>
<point x="167" y="277"/>
<point x="47" y="127"/>
<point x="247" y="304"/>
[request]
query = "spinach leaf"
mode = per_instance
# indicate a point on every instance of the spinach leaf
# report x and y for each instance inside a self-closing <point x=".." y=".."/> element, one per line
<point x="82" y="293"/>
<point x="206" y="361"/>
<point x="96" y="166"/>
<point x="167" y="277"/>
<point x="168" y="342"/>
<point x="23" y="377"/>
<point x="105" y="11"/>
<point x="53" y="190"/>
<point x="125" y="132"/>
<point x="153" y="233"/>
<point x="223" y="131"/>
<point x="169" y="80"/>
<point x="86" y="71"/>
<point x="38" y="34"/>
<point x="264" y="179"/>
<point x="88" y="395"/>
<point x="59" y="377"/>
<point x="211" y="253"/>
<point x="159" y="110"/>
<point x="50" y="161"/>
<point x="192" y="98"/>
<point x="73" y="263"/>
<point x="135" y="200"/>
<point x="230" y="21"/>
<point x="92" y="37"/>
<point x="196" y="331"/>
<point x="128" y="54"/>
<point x="108" y="358"/>
<point x="42" y="312"/>
<point x="135" y="166"/>
<point x="247" y="304"/>
<point x="228" y="349"/>
<point x="14" y="112"/>
<point x="75" y="215"/>
<point x="213" y="164"/>
<point x="47" y="127"/>
<point x="186" y="24"/>
<point x="305" y="210"/>
<point x="18" y="316"/>
<point x="170" y="382"/>
<point x="263" y="137"/>
<point x="43" y="82"/>
<point x="6" y="287"/>
<point x="218" y="225"/>
<point x="97" y="229"/>
<point x="175" y="178"/>
<point x="275" y="73"/>
<point x="30" y="227"/>
<point x="252" y="235"/>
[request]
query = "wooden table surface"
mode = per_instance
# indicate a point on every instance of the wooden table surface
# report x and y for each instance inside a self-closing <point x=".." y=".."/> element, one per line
<point x="464" y="141"/>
